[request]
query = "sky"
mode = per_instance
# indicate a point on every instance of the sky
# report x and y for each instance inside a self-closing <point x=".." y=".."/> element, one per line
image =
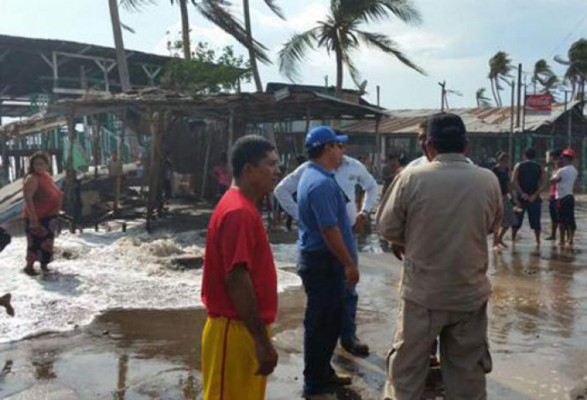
<point x="453" y="44"/>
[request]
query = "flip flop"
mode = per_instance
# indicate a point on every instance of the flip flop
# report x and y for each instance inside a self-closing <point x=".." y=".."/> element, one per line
<point x="30" y="272"/>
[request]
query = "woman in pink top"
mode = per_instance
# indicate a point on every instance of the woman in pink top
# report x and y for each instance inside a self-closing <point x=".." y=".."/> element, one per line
<point x="43" y="200"/>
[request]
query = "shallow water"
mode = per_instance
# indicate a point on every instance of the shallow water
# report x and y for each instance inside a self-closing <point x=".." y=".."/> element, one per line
<point x="100" y="271"/>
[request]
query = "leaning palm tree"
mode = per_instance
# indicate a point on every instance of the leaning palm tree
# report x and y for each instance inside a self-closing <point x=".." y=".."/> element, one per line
<point x="340" y="33"/>
<point x="217" y="11"/>
<point x="119" y="45"/>
<point x="482" y="99"/>
<point x="544" y="76"/>
<point x="500" y="66"/>
<point x="577" y="65"/>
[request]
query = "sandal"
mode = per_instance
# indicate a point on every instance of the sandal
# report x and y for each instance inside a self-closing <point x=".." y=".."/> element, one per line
<point x="30" y="271"/>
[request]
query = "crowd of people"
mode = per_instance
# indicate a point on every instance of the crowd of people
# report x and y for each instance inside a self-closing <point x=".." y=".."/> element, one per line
<point x="421" y="212"/>
<point x="424" y="205"/>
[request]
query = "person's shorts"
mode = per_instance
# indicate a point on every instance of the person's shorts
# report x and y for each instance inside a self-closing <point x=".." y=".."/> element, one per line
<point x="534" y="210"/>
<point x="553" y="210"/>
<point x="566" y="212"/>
<point x="509" y="219"/>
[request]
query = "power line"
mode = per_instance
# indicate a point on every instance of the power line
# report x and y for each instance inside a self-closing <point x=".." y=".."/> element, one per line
<point x="577" y="26"/>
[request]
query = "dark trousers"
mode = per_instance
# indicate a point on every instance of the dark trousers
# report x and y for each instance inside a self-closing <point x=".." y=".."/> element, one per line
<point x="324" y="282"/>
<point x="348" y="331"/>
<point x="566" y="208"/>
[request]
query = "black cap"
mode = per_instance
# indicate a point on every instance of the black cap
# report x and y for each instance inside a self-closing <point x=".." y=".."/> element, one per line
<point x="446" y="126"/>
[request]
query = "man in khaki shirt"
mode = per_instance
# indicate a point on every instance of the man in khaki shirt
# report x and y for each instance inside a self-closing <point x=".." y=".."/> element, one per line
<point x="438" y="217"/>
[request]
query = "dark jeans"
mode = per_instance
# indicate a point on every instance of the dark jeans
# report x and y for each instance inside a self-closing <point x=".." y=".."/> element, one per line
<point x="324" y="282"/>
<point x="553" y="210"/>
<point x="348" y="331"/>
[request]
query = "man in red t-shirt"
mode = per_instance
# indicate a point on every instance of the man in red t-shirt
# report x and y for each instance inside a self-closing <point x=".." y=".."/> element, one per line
<point x="239" y="286"/>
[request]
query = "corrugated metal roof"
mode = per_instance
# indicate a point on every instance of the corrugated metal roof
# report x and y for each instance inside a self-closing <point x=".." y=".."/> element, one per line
<point x="477" y="120"/>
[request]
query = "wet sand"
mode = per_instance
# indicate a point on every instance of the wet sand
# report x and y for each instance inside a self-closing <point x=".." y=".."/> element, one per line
<point x="538" y="330"/>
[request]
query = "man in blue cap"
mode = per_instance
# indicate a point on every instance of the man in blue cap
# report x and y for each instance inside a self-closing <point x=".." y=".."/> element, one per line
<point x="327" y="260"/>
<point x="440" y="214"/>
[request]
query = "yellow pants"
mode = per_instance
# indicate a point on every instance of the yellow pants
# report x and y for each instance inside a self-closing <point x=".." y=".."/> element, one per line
<point x="229" y="362"/>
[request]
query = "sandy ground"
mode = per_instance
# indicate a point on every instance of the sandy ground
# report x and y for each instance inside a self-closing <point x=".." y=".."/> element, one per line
<point x="538" y="330"/>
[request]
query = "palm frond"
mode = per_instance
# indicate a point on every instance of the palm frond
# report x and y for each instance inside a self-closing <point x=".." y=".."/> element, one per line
<point x="294" y="51"/>
<point x="136" y="5"/>
<point x="216" y="12"/>
<point x="405" y="10"/>
<point x="385" y="44"/>
<point x="275" y="8"/>
<point x="353" y="70"/>
<point x="126" y="27"/>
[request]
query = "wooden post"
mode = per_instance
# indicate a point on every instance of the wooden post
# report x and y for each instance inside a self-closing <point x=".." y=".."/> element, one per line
<point x="230" y="129"/>
<point x="96" y="143"/>
<point x="378" y="146"/>
<point x="206" y="162"/>
<point x="157" y="126"/>
<point x="72" y="137"/>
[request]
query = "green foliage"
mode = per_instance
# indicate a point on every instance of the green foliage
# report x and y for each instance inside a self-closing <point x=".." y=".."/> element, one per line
<point x="209" y="70"/>
<point x="340" y="33"/>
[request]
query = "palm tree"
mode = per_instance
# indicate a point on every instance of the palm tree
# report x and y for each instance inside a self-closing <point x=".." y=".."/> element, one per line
<point x="340" y="33"/>
<point x="119" y="45"/>
<point x="544" y="75"/>
<point x="577" y="64"/>
<point x="482" y="99"/>
<point x="217" y="12"/>
<point x="136" y="5"/>
<point x="500" y="66"/>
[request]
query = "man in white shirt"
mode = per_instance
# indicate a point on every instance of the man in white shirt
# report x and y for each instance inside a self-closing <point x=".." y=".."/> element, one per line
<point x="350" y="174"/>
<point x="565" y="178"/>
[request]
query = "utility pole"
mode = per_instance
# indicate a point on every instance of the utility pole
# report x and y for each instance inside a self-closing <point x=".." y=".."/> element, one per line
<point x="378" y="95"/>
<point x="569" y="110"/>
<point x="442" y="94"/>
<point x="519" y="95"/>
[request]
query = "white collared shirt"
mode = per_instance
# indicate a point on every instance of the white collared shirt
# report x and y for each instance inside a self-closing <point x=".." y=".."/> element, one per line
<point x="350" y="173"/>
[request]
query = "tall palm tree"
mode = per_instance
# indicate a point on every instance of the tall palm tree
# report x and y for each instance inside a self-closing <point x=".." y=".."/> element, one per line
<point x="544" y="76"/>
<point x="137" y="5"/>
<point x="119" y="45"/>
<point x="340" y="33"/>
<point x="577" y="64"/>
<point x="500" y="66"/>
<point x="482" y="99"/>
<point x="217" y="12"/>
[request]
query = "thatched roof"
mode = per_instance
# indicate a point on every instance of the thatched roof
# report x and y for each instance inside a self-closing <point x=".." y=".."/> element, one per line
<point x="248" y="107"/>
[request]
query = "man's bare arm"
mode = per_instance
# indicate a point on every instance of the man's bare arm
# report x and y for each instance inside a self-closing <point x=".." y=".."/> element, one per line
<point x="242" y="294"/>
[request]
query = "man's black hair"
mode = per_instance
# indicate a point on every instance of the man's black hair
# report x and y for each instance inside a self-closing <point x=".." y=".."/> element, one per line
<point x="249" y="149"/>
<point x="530" y="153"/>
<point x="316" y="152"/>
<point x="452" y="145"/>
<point x="555" y="153"/>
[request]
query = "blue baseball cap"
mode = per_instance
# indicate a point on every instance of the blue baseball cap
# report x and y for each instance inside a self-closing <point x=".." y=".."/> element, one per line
<point x="323" y="135"/>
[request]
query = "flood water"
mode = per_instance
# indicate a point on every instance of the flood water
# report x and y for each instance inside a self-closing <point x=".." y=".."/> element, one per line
<point x="139" y="338"/>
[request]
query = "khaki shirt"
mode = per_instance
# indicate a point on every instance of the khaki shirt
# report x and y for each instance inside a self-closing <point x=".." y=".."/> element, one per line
<point x="442" y="213"/>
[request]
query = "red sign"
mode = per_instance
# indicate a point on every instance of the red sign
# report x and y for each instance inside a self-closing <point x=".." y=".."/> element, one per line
<point x="539" y="102"/>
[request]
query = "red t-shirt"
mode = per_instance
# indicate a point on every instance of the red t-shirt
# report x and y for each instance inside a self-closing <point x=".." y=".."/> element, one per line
<point x="48" y="198"/>
<point x="236" y="235"/>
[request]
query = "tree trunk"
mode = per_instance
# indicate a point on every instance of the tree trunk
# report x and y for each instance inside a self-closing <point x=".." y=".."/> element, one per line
<point x="119" y="44"/>
<point x="493" y="91"/>
<point x="185" y="29"/>
<point x="252" y="58"/>
<point x="339" y="72"/>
